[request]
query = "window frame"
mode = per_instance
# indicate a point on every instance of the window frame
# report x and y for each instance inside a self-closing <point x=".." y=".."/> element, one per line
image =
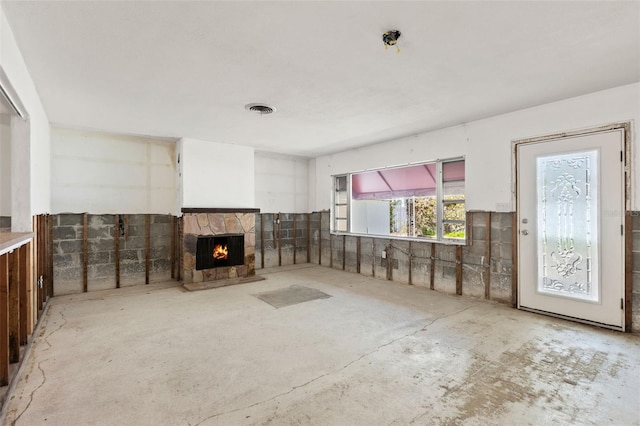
<point x="439" y="197"/>
<point x="334" y="203"/>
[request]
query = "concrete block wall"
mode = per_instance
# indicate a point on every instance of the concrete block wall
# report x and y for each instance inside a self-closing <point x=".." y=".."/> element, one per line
<point x="316" y="236"/>
<point x="324" y="233"/>
<point x="5" y="223"/>
<point x="403" y="261"/>
<point x="367" y="255"/>
<point x="475" y="258"/>
<point x="445" y="269"/>
<point x="68" y="251"/>
<point x="335" y="251"/>
<point x="301" y="237"/>
<point x="415" y="257"/>
<point x="420" y="264"/>
<point x="280" y="234"/>
<point x="265" y="241"/>
<point x="132" y="249"/>
<point x="501" y="257"/>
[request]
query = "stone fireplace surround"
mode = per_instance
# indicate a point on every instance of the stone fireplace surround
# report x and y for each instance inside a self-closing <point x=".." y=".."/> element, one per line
<point x="216" y="221"/>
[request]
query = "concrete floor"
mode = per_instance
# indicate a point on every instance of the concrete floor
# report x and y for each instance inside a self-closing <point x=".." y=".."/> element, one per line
<point x="374" y="353"/>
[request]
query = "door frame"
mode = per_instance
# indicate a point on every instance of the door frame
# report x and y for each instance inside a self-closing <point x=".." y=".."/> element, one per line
<point x="625" y="127"/>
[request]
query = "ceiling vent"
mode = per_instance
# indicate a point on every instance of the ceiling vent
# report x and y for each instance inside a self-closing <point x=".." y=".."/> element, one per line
<point x="261" y="109"/>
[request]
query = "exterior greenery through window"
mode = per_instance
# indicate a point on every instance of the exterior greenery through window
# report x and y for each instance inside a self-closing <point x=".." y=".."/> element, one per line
<point x="418" y="201"/>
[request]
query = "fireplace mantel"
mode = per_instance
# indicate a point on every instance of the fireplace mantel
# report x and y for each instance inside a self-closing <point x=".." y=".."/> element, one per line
<point x="219" y="210"/>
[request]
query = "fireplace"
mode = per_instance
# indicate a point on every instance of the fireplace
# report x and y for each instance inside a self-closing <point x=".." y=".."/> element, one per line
<point x="208" y="230"/>
<point x="219" y="250"/>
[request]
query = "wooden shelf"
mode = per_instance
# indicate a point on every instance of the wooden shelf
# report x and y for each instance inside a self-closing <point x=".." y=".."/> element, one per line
<point x="12" y="240"/>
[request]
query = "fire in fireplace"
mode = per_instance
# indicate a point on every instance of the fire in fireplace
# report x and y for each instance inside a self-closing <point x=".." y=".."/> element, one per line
<point x="219" y="250"/>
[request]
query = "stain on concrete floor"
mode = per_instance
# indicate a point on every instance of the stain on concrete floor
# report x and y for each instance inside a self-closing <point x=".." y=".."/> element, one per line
<point x="291" y="295"/>
<point x="373" y="354"/>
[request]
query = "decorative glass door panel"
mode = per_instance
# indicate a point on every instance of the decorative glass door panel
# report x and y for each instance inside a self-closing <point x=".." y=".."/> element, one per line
<point x="568" y="225"/>
<point x="570" y="194"/>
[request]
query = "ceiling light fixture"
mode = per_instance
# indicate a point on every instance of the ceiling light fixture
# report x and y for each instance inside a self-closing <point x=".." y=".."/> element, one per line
<point x="390" y="38"/>
<point x="261" y="109"/>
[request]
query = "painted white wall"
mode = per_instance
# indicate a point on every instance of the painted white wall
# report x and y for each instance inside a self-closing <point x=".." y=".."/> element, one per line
<point x="313" y="185"/>
<point x="20" y="176"/>
<point x="5" y="165"/>
<point x="31" y="180"/>
<point x="487" y="146"/>
<point x="282" y="183"/>
<point x="40" y="155"/>
<point x="99" y="173"/>
<point x="217" y="175"/>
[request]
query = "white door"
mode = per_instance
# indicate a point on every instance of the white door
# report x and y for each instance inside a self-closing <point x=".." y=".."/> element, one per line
<point x="570" y="227"/>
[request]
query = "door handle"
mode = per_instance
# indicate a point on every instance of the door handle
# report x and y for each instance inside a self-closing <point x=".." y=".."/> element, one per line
<point x="524" y="232"/>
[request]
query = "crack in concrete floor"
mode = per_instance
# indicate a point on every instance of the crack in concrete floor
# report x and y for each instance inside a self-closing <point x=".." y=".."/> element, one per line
<point x="474" y="368"/>
<point x="31" y="395"/>
<point x="349" y="364"/>
<point x="44" y="337"/>
<point x="64" y="322"/>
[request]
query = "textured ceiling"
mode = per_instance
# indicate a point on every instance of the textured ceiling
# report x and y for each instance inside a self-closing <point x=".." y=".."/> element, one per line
<point x="186" y="69"/>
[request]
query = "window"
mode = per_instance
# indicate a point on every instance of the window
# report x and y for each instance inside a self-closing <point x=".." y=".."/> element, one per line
<point x="418" y="201"/>
<point x="341" y="204"/>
